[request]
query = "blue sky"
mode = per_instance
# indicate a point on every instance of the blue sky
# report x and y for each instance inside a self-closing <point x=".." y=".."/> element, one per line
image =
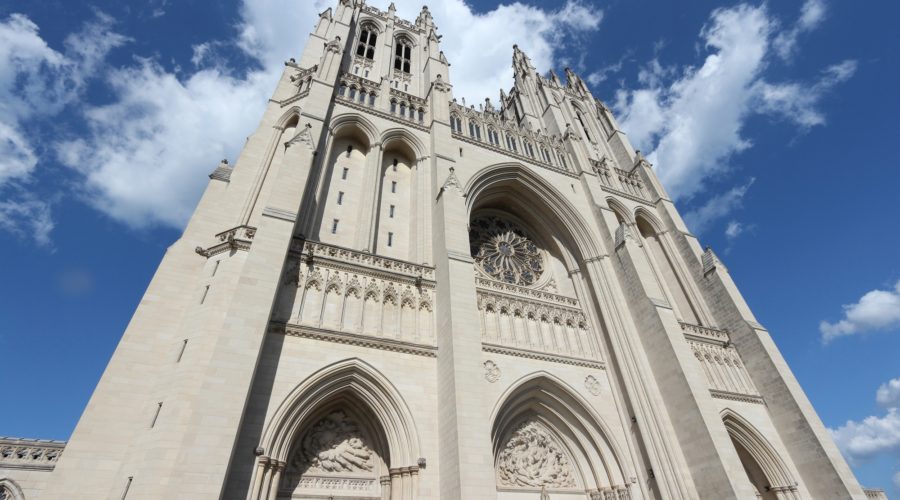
<point x="772" y="124"/>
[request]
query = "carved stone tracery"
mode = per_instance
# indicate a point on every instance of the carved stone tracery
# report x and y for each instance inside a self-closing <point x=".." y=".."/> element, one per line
<point x="503" y="251"/>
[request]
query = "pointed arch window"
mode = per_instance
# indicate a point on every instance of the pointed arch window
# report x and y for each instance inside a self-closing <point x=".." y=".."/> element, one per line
<point x="474" y="130"/>
<point x="352" y="93"/>
<point x="366" y="46"/>
<point x="529" y="149"/>
<point x="455" y="124"/>
<point x="562" y="160"/>
<point x="545" y="155"/>
<point x="403" y="55"/>
<point x="511" y="143"/>
<point x="583" y="126"/>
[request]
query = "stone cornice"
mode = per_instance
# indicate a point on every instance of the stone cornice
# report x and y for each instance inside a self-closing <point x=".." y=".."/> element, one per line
<point x="236" y="238"/>
<point x="506" y="152"/>
<point x="363" y="263"/>
<point x="356" y="339"/>
<point x="516" y="292"/>
<point x="734" y="396"/>
<point x="382" y="114"/>
<point x="542" y="356"/>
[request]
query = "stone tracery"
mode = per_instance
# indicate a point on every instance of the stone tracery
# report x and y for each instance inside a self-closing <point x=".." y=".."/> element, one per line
<point x="504" y="251"/>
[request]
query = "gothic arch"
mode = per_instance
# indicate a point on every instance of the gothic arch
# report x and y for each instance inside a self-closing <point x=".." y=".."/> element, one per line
<point x="620" y="210"/>
<point x="291" y="114"/>
<point x="510" y="177"/>
<point x="354" y="125"/>
<point x="406" y="139"/>
<point x="556" y="410"/>
<point x="781" y="482"/>
<point x="650" y="218"/>
<point x="351" y="376"/>
<point x="10" y="487"/>
<point x="354" y="391"/>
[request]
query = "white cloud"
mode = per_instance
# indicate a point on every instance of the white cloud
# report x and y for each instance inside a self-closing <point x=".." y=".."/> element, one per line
<point x="734" y="229"/>
<point x="811" y="15"/>
<point x="691" y="119"/>
<point x="145" y="159"/>
<point x="888" y="394"/>
<point x="876" y="310"/>
<point x="897" y="481"/>
<point x="479" y="45"/>
<point x="27" y="217"/>
<point x="37" y="81"/>
<point x="797" y="102"/>
<point x="874" y="435"/>
<point x="717" y="207"/>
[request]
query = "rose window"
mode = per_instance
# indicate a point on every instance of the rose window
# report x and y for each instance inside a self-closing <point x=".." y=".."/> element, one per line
<point x="503" y="251"/>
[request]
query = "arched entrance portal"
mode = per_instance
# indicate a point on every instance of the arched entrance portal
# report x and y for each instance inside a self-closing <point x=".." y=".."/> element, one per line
<point x="766" y="471"/>
<point x="548" y="443"/>
<point x="344" y="432"/>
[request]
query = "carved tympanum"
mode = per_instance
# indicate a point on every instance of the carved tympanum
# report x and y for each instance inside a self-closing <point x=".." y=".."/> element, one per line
<point x="504" y="251"/>
<point x="334" y="444"/>
<point x="532" y="458"/>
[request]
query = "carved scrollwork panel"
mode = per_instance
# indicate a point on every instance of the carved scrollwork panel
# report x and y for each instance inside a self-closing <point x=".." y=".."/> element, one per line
<point x="532" y="458"/>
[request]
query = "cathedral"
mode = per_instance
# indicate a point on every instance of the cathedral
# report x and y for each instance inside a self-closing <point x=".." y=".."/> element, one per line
<point x="393" y="295"/>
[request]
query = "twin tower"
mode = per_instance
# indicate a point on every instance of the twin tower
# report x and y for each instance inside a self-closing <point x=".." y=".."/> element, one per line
<point x="391" y="295"/>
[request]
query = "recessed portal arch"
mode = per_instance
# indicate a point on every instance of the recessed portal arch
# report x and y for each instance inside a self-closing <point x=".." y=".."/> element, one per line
<point x="545" y="436"/>
<point x="344" y="431"/>
<point x="766" y="471"/>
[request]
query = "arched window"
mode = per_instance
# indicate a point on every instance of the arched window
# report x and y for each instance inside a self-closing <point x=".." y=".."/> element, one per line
<point x="367" y="38"/>
<point x="455" y="124"/>
<point x="529" y="149"/>
<point x="372" y="99"/>
<point x="342" y="90"/>
<point x="511" y="143"/>
<point x="474" y="130"/>
<point x="421" y="115"/>
<point x="583" y="126"/>
<point x="352" y="93"/>
<point x="403" y="55"/>
<point x="402" y="109"/>
<point x="545" y="155"/>
<point x="562" y="160"/>
<point x="493" y="137"/>
<point x="362" y="96"/>
<point x="393" y="105"/>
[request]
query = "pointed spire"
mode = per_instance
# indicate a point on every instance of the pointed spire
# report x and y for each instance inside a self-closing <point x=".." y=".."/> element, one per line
<point x="554" y="77"/>
<point x="424" y="20"/>
<point x="392" y="9"/>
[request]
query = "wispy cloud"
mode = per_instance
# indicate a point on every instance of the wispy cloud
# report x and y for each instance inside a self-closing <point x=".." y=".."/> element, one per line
<point x="692" y="118"/>
<point x="877" y="310"/>
<point x="716" y="208"/>
<point x="811" y="16"/>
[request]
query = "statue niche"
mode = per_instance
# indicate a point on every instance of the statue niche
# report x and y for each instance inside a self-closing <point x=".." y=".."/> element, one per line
<point x="532" y="458"/>
<point x="335" y="456"/>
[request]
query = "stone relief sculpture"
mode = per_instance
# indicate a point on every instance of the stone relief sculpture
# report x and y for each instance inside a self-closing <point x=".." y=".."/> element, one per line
<point x="503" y="251"/>
<point x="532" y="458"/>
<point x="491" y="371"/>
<point x="335" y="444"/>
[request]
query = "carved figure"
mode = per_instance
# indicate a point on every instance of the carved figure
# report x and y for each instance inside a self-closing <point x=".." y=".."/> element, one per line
<point x="532" y="458"/>
<point x="335" y="444"/>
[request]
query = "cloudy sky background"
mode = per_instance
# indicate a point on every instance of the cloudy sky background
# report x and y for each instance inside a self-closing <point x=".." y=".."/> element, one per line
<point x="772" y="125"/>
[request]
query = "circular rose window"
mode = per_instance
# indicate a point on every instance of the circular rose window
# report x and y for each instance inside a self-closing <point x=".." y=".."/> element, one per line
<point x="503" y="251"/>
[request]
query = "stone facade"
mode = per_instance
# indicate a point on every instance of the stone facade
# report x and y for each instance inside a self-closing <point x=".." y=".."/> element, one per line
<point x="391" y="295"/>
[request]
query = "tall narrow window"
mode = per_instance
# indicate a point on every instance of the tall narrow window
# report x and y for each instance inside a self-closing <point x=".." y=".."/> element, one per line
<point x="366" y="46"/>
<point x="583" y="126"/>
<point x="394" y="165"/>
<point x="340" y="199"/>
<point x="562" y="160"/>
<point x="511" y="143"/>
<point x="391" y="212"/>
<point x="342" y="90"/>
<point x="402" y="109"/>
<point x="474" y="130"/>
<point x="455" y="124"/>
<point x="352" y="93"/>
<point x="403" y="55"/>
<point x="205" y="293"/>
<point x="334" y="225"/>
<point x="390" y="239"/>
<point x="362" y="97"/>
<point x="344" y="173"/>
<point x="421" y="115"/>
<point x="372" y="99"/>
<point x="393" y="106"/>
<point x="393" y="186"/>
